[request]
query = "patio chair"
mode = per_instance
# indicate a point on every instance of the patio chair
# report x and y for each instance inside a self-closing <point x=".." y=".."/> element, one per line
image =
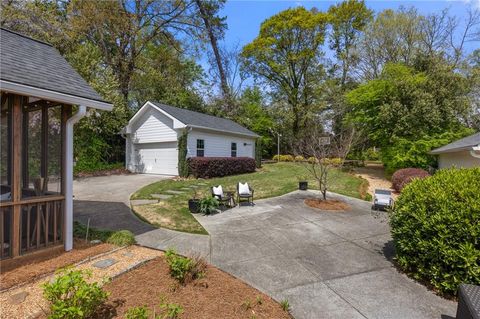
<point x="244" y="191"/>
<point x="224" y="198"/>
<point x="382" y="199"/>
<point x="468" y="302"/>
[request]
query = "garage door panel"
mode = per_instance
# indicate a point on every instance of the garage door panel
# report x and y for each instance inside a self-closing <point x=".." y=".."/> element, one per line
<point x="157" y="158"/>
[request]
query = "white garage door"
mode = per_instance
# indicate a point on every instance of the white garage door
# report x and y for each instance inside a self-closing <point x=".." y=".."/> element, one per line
<point x="157" y="158"/>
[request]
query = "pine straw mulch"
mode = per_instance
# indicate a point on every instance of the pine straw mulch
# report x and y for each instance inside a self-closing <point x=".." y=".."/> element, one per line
<point x="329" y="204"/>
<point x="217" y="295"/>
<point x="35" y="268"/>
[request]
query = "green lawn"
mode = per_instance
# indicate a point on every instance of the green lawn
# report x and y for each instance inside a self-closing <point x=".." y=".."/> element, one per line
<point x="269" y="181"/>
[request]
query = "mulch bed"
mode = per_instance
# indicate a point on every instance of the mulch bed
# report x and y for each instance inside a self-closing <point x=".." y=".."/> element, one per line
<point x="217" y="295"/>
<point x="329" y="204"/>
<point x="35" y="268"/>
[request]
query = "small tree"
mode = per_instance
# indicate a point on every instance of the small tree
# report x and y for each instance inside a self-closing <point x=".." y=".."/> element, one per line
<point x="324" y="152"/>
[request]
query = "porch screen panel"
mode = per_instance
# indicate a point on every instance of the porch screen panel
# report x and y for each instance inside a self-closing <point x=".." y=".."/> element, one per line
<point x="5" y="149"/>
<point x="32" y="153"/>
<point x="54" y="153"/>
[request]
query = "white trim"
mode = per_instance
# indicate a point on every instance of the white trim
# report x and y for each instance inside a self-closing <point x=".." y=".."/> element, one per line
<point x="254" y="136"/>
<point x="176" y="123"/>
<point x="52" y="95"/>
<point x="82" y="110"/>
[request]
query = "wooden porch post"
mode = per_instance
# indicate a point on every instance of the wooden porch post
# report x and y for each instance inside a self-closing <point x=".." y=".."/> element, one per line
<point x="17" y="171"/>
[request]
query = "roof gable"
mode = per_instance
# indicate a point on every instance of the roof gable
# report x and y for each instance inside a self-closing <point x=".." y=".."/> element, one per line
<point x="26" y="62"/>
<point x="465" y="143"/>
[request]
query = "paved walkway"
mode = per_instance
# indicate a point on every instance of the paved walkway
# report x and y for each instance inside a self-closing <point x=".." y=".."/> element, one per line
<point x="105" y="200"/>
<point x="327" y="264"/>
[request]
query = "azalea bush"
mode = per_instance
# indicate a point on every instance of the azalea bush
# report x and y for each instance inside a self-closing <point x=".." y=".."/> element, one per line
<point x="405" y="175"/>
<point x="435" y="226"/>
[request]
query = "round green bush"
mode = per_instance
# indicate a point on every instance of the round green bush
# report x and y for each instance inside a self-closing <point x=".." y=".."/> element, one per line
<point x="436" y="229"/>
<point x="122" y="238"/>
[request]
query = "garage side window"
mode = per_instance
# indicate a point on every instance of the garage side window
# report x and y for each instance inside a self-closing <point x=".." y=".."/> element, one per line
<point x="233" y="150"/>
<point x="200" y="148"/>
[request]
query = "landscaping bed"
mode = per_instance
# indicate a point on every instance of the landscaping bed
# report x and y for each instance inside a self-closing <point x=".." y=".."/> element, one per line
<point x="216" y="295"/>
<point x="271" y="180"/>
<point x="36" y="268"/>
<point x="330" y="204"/>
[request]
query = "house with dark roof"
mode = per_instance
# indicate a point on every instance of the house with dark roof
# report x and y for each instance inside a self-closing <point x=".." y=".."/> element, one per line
<point x="464" y="152"/>
<point x="38" y="90"/>
<point x="152" y="138"/>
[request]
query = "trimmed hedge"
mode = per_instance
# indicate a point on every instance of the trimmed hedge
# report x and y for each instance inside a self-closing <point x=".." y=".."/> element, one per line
<point x="206" y="167"/>
<point x="436" y="229"/>
<point x="405" y="175"/>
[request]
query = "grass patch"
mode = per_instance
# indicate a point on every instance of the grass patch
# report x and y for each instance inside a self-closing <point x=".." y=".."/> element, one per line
<point x="269" y="181"/>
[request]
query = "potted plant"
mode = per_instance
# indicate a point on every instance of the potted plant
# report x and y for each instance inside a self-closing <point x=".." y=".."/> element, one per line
<point x="194" y="203"/>
<point x="208" y="205"/>
<point x="302" y="183"/>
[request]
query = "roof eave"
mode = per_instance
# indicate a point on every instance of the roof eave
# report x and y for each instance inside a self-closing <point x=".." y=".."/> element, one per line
<point x="452" y="150"/>
<point x="253" y="135"/>
<point x="53" y="96"/>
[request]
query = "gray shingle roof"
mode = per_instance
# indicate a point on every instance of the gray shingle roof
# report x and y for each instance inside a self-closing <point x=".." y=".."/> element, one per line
<point x="197" y="119"/>
<point x="465" y="143"/>
<point x="33" y="63"/>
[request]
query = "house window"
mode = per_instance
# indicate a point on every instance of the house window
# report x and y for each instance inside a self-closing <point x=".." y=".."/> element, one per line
<point x="233" y="149"/>
<point x="200" y="148"/>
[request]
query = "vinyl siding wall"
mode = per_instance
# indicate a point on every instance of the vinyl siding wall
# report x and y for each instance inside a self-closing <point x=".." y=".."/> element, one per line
<point x="458" y="159"/>
<point x="219" y="144"/>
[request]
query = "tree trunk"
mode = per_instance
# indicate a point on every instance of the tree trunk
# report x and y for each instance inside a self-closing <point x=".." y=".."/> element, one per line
<point x="216" y="52"/>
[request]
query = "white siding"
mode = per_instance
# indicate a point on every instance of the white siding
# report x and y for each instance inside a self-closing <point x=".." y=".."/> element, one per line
<point x="458" y="159"/>
<point x="153" y="127"/>
<point x="219" y="144"/>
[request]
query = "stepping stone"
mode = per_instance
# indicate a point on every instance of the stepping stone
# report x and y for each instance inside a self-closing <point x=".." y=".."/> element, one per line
<point x="202" y="184"/>
<point x="104" y="263"/>
<point x="174" y="192"/>
<point x="143" y="201"/>
<point x="95" y="241"/>
<point x="128" y="254"/>
<point x="18" y="298"/>
<point x="161" y="196"/>
<point x="185" y="189"/>
<point x="194" y="186"/>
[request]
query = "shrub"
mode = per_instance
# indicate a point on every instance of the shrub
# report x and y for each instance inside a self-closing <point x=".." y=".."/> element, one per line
<point x="208" y="205"/>
<point x="287" y="158"/>
<point x="205" y="167"/>
<point x="122" y="238"/>
<point x="312" y="159"/>
<point x="332" y="161"/>
<point x="436" y="229"/>
<point x="275" y="157"/>
<point x="185" y="269"/>
<point x="138" y="313"/>
<point x="299" y="158"/>
<point x="71" y="296"/>
<point x="170" y="310"/>
<point x="405" y="175"/>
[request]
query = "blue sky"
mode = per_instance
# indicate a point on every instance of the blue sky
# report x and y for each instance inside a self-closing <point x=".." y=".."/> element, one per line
<point x="245" y="16"/>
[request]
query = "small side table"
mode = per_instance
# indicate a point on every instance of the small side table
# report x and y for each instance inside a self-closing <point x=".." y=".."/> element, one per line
<point x="231" y="196"/>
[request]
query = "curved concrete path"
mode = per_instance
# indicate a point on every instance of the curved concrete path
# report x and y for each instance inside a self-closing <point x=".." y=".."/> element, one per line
<point x="105" y="200"/>
<point x="326" y="264"/>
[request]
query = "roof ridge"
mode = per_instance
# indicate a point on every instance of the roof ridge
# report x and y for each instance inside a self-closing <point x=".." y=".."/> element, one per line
<point x="26" y="36"/>
<point x="196" y="112"/>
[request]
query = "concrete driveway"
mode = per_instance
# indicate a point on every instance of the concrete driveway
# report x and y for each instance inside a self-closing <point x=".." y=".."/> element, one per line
<point x="326" y="264"/>
<point x="105" y="200"/>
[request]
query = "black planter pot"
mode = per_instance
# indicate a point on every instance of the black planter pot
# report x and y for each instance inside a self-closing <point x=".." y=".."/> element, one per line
<point x="303" y="185"/>
<point x="194" y="205"/>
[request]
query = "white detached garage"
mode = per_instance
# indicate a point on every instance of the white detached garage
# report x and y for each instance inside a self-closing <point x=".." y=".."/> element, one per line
<point x="152" y="138"/>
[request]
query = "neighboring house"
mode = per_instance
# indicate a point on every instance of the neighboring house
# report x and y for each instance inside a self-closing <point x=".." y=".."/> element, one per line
<point x="38" y="91"/>
<point x="461" y="153"/>
<point x="152" y="138"/>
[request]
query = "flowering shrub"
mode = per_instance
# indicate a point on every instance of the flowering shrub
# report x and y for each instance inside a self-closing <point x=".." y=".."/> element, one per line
<point x="405" y="175"/>
<point x="206" y="167"/>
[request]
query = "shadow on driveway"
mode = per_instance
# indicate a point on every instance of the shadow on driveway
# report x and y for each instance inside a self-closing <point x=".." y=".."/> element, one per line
<point x="109" y="215"/>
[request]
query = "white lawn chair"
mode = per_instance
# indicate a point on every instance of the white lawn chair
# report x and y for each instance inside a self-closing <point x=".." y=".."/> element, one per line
<point x="382" y="199"/>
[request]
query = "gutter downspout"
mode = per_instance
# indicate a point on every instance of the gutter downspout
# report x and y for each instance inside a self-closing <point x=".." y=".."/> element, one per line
<point x="82" y="111"/>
